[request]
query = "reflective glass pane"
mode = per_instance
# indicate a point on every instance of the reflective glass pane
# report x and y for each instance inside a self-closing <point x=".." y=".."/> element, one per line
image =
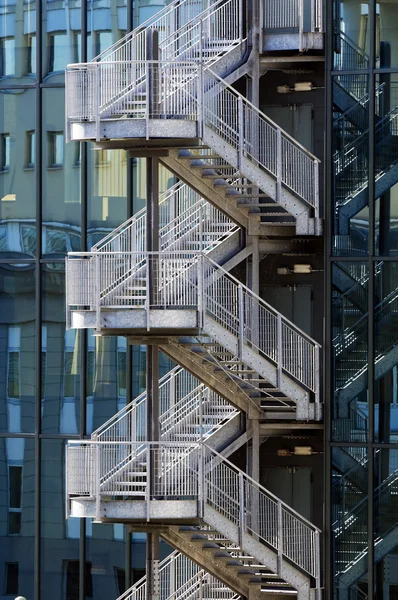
<point x="61" y="38"/>
<point x="59" y="537"/>
<point x="385" y="523"/>
<point x="17" y="174"/>
<point x="386" y="34"/>
<point x="349" y="519"/>
<point x="17" y="42"/>
<point x="107" y="197"/>
<point x="350" y="149"/>
<point x="352" y="37"/>
<point x="106" y="378"/>
<point x="61" y="181"/>
<point x="17" y="473"/>
<point x="106" y="24"/>
<point x="18" y="355"/>
<point x="386" y="182"/>
<point x="60" y="358"/>
<point x="350" y="343"/>
<point x="105" y="554"/>
<point x="386" y="344"/>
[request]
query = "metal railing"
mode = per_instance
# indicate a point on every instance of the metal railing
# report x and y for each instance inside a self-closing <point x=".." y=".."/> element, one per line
<point x="187" y="222"/>
<point x="193" y="281"/>
<point x="288" y="14"/>
<point x="189" y="412"/>
<point x="195" y="471"/>
<point x="182" y="579"/>
<point x="191" y="92"/>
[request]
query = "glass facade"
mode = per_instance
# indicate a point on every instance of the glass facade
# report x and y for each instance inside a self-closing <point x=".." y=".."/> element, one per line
<point x="362" y="466"/>
<point x="57" y="384"/>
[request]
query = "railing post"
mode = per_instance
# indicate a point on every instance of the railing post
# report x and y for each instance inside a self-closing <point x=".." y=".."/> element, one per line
<point x="240" y="17"/>
<point x="241" y="132"/>
<point x="301" y="25"/>
<point x="316" y="379"/>
<point x="280" y="537"/>
<point x="317" y="560"/>
<point x="279" y="165"/>
<point x="200" y="100"/>
<point x="97" y="292"/>
<point x="148" y="96"/>
<point x="316" y="196"/>
<point x="313" y="17"/>
<point x="201" y="482"/>
<point x="148" y="481"/>
<point x="201" y="295"/>
<point x="241" y="508"/>
<point x="279" y="348"/>
<point x="97" y="102"/>
<point x="97" y="482"/>
<point x="241" y="316"/>
<point x="148" y="294"/>
<point x="66" y="483"/>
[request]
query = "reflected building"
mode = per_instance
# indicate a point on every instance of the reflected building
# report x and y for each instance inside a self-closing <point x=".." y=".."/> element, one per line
<point x="363" y="433"/>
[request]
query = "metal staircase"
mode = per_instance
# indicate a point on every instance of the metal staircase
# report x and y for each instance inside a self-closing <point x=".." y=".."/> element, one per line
<point x="182" y="579"/>
<point x="166" y="87"/>
<point x="178" y="101"/>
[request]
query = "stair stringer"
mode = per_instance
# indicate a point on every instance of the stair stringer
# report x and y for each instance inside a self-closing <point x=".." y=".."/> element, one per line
<point x="225" y="386"/>
<point x="263" y="367"/>
<point x="305" y="224"/>
<point x="214" y="194"/>
<point x="359" y="569"/>
<point x="216" y="568"/>
<point x="264" y="554"/>
<point x="356" y="386"/>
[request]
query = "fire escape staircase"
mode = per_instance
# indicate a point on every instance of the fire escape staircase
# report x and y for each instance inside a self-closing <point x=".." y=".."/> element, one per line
<point x="162" y="87"/>
<point x="181" y="101"/>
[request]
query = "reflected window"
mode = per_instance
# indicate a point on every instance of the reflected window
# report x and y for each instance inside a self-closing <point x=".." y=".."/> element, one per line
<point x="58" y="51"/>
<point x="5" y="151"/>
<point x="14" y="500"/>
<point x="56" y="149"/>
<point x="12" y="575"/>
<point x="71" y="570"/>
<point x="7" y="56"/>
<point x="31" y="54"/>
<point x="121" y="367"/>
<point x="30" y="149"/>
<point x="13" y="367"/>
<point x="68" y="411"/>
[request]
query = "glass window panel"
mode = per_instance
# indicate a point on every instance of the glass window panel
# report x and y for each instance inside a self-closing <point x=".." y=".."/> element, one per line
<point x="352" y="38"/>
<point x="17" y="182"/>
<point x="105" y="554"/>
<point x="61" y="357"/>
<point x="107" y="193"/>
<point x="17" y="343"/>
<point x="17" y="477"/>
<point x="59" y="551"/>
<point x="61" y="38"/>
<point x="386" y="343"/>
<point x="386" y="34"/>
<point x="17" y="42"/>
<point x="350" y="331"/>
<point x="103" y="28"/>
<point x="106" y="378"/>
<point x="61" y="181"/>
<point x="350" y="166"/>
<point x="349" y="516"/>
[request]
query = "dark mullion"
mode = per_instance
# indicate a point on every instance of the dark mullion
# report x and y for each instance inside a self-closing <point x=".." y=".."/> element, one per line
<point x="38" y="302"/>
<point x="327" y="352"/>
<point x="371" y="290"/>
